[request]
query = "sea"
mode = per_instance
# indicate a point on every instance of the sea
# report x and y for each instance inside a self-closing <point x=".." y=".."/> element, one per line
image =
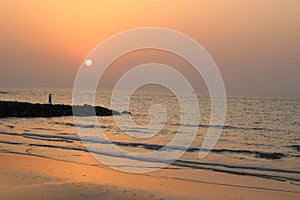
<point x="260" y="137"/>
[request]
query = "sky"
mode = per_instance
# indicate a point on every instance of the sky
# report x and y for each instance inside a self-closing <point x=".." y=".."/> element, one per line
<point x="255" y="44"/>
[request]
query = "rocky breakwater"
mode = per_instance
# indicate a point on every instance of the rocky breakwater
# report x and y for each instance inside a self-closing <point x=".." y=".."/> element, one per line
<point x="22" y="109"/>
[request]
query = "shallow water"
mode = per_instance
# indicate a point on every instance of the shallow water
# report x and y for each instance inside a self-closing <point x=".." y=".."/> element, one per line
<point x="261" y="135"/>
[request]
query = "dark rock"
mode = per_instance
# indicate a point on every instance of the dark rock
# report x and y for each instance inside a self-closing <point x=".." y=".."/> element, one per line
<point x="22" y="109"/>
<point x="268" y="155"/>
<point x="126" y="112"/>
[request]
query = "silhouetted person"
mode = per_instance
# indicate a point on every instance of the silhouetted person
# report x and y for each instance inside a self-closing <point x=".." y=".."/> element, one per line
<point x="50" y="98"/>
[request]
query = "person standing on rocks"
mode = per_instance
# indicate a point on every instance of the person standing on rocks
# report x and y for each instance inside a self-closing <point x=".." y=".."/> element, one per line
<point x="50" y="98"/>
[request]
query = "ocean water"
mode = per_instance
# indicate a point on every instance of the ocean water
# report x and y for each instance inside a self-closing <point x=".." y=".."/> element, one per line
<point x="260" y="138"/>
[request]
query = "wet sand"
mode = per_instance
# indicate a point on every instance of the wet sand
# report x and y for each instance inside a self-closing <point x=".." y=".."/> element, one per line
<point x="29" y="177"/>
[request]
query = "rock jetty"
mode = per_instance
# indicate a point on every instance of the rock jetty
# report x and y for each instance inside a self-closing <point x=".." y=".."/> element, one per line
<point x="22" y="109"/>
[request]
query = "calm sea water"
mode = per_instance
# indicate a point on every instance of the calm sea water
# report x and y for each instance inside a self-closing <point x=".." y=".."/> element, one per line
<point x="261" y="135"/>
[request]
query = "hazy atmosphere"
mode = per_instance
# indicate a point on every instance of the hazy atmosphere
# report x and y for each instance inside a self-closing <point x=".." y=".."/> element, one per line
<point x="256" y="44"/>
<point x="108" y="99"/>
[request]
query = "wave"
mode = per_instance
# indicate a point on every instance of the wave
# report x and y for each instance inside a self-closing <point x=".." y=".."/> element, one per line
<point x="258" y="154"/>
<point x="178" y="162"/>
<point x="225" y="168"/>
<point x="154" y="147"/>
<point x="241" y="170"/>
<point x="295" y="146"/>
<point x="44" y="145"/>
<point x="43" y="136"/>
<point x="44" y="129"/>
<point x="78" y="125"/>
<point x="230" y="127"/>
<point x="239" y="167"/>
<point x="225" y="127"/>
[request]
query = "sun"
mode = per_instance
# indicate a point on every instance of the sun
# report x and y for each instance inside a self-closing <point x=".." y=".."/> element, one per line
<point x="88" y="62"/>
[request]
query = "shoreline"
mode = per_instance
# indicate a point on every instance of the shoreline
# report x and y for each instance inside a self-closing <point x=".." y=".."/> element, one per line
<point x="10" y="139"/>
<point x="32" y="177"/>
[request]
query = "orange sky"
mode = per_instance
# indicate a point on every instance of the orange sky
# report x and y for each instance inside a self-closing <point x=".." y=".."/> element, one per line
<point x="256" y="44"/>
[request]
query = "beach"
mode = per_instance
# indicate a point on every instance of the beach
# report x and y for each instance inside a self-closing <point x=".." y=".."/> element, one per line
<point x="150" y="100"/>
<point x="256" y="156"/>
<point x="30" y="177"/>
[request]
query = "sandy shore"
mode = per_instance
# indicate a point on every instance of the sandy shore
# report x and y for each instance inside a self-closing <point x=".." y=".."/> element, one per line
<point x="28" y="177"/>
